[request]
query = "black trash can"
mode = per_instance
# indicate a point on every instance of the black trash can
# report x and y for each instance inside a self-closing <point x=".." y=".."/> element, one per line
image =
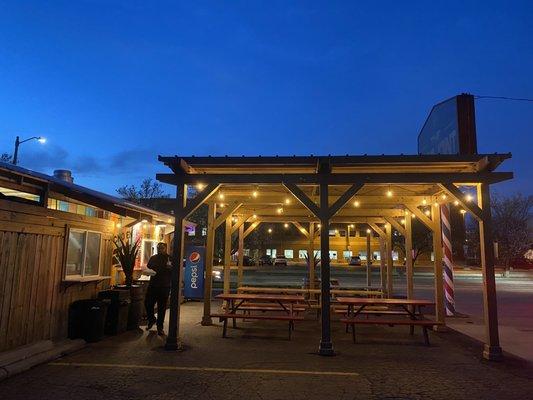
<point x="117" y="310"/>
<point x="86" y="320"/>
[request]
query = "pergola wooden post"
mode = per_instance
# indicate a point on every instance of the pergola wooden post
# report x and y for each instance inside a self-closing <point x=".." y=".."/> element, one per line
<point x="382" y="251"/>
<point x="368" y="260"/>
<point x="409" y="256"/>
<point x="388" y="231"/>
<point x="311" y="255"/>
<point x="210" y="246"/>
<point x="241" y="256"/>
<point x="492" y="349"/>
<point x="227" y="255"/>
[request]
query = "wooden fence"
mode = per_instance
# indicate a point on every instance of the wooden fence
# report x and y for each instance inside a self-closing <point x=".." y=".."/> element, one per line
<point x="33" y="301"/>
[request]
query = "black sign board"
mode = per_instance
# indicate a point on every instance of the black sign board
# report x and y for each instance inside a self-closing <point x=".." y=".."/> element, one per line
<point x="450" y="128"/>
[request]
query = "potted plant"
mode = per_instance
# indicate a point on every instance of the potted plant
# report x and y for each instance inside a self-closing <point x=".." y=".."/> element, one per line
<point x="126" y="253"/>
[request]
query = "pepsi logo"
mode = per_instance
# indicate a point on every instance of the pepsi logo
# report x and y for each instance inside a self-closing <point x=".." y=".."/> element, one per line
<point x="194" y="257"/>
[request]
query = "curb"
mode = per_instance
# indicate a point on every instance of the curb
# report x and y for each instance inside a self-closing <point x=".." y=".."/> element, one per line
<point x="26" y="357"/>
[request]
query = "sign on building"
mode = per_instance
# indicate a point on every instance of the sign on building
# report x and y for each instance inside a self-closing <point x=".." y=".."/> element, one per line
<point x="450" y="128"/>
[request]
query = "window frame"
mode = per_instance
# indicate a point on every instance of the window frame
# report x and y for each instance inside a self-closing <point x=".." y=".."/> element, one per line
<point x="84" y="252"/>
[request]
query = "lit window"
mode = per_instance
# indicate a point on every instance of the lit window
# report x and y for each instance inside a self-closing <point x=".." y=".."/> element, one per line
<point x="289" y="253"/>
<point x="83" y="253"/>
<point x="332" y="255"/>
<point x="302" y="254"/>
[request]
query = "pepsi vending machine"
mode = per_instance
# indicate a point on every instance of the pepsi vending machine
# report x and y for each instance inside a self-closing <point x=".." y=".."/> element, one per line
<point x="193" y="277"/>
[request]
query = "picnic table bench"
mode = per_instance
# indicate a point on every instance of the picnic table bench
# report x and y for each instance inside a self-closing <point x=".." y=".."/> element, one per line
<point x="289" y="304"/>
<point x="407" y="307"/>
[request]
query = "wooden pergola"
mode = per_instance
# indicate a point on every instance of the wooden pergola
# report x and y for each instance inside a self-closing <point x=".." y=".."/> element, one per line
<point x="384" y="192"/>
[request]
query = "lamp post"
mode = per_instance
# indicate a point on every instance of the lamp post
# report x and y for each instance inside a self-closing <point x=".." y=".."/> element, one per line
<point x="18" y="142"/>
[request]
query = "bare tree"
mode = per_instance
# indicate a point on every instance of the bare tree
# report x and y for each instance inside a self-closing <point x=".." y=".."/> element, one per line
<point x="149" y="189"/>
<point x="509" y="221"/>
<point x="6" y="157"/>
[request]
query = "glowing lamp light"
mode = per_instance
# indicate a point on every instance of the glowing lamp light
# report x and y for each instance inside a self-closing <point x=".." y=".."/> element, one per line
<point x="389" y="193"/>
<point x="403" y="221"/>
<point x="118" y="224"/>
<point x="352" y="226"/>
<point x="254" y="216"/>
<point x="468" y="197"/>
<point x="319" y="225"/>
<point x="287" y="201"/>
<point x="455" y="203"/>
<point x="427" y="212"/>
<point x="221" y="205"/>
<point x="443" y="196"/>
<point x="255" y="193"/>
<point x="286" y="225"/>
<point x="368" y="231"/>
<point x="200" y="186"/>
<point x="269" y="230"/>
<point x="424" y="202"/>
<point x="169" y="220"/>
<point x="279" y="210"/>
<point x="436" y="204"/>
<point x="406" y="212"/>
<point x="41" y="140"/>
<point x="221" y="196"/>
<point x="462" y="211"/>
<point x="413" y="216"/>
<point x="336" y="231"/>
<point x="144" y="221"/>
<point x="356" y="203"/>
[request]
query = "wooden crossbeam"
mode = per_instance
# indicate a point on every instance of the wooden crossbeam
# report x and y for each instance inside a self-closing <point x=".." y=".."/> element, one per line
<point x="456" y="194"/>
<point x="240" y="221"/>
<point x="377" y="229"/>
<point x="346" y="196"/>
<point x="339" y="178"/>
<point x="303" y="198"/>
<point x="421" y="216"/>
<point x="301" y="228"/>
<point x="251" y="228"/>
<point x="396" y="225"/>
<point x="200" y="198"/>
<point x="227" y="213"/>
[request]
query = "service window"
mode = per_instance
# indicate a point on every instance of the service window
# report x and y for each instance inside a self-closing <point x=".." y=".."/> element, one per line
<point x="83" y="253"/>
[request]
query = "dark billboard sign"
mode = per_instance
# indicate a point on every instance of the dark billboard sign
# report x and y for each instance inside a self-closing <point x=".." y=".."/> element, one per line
<point x="450" y="128"/>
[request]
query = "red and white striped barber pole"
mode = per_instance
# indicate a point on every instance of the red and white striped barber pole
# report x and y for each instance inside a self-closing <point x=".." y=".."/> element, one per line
<point x="447" y="259"/>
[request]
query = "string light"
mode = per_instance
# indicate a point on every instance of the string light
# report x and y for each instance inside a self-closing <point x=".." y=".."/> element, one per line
<point x="287" y="201"/>
<point x="456" y="203"/>
<point x="221" y="196"/>
<point x="389" y="193"/>
<point x="269" y="230"/>
<point x="285" y="225"/>
<point x="356" y="203"/>
<point x="200" y="186"/>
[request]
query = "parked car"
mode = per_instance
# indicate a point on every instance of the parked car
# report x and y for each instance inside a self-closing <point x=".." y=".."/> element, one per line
<point x="265" y="260"/>
<point x="280" y="260"/>
<point x="247" y="261"/>
<point x="354" y="260"/>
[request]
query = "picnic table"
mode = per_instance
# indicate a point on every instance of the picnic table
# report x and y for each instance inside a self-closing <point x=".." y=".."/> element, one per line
<point x="288" y="304"/>
<point x="412" y="308"/>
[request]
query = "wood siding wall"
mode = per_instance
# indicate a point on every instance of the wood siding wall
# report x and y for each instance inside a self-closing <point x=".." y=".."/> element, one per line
<point x="33" y="302"/>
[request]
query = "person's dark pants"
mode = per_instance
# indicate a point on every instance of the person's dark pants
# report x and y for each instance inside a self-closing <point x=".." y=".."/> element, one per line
<point x="159" y="296"/>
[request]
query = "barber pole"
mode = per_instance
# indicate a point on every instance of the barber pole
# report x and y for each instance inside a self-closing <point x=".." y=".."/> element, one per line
<point x="447" y="260"/>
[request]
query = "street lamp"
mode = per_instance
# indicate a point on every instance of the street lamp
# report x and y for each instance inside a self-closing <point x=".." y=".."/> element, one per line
<point x="18" y="142"/>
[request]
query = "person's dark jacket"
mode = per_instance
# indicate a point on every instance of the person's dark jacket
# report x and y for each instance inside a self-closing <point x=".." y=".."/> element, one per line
<point x="160" y="263"/>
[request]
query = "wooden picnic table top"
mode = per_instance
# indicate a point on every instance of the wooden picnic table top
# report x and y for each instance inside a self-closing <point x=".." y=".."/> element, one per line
<point x="266" y="297"/>
<point x="365" y="301"/>
<point x="305" y="291"/>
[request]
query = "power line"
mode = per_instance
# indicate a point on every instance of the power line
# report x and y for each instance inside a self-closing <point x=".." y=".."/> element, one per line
<point x="502" y="98"/>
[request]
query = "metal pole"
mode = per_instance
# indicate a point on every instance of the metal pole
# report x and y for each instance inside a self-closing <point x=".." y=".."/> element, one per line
<point x="173" y="341"/>
<point x="16" y="152"/>
<point x="326" y="347"/>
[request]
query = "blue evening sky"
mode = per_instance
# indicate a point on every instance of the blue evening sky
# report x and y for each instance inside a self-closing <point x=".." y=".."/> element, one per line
<point x="112" y="84"/>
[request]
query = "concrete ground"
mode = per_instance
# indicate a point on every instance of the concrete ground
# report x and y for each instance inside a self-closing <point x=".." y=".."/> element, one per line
<point x="258" y="362"/>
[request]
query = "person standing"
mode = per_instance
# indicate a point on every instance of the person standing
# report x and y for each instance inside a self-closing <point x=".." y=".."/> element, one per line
<point x="158" y="288"/>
